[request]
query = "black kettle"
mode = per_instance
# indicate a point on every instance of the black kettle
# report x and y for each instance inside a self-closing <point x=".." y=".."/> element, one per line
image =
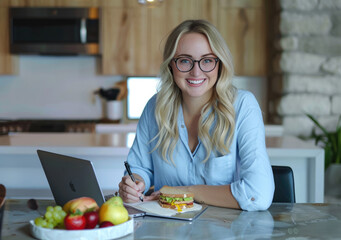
<point x="109" y="94"/>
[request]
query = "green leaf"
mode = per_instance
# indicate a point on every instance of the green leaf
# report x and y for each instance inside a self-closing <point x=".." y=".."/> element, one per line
<point x="327" y="156"/>
<point x="318" y="124"/>
<point x="330" y="141"/>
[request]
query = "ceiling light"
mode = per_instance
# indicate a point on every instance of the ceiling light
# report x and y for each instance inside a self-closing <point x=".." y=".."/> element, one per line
<point x="150" y="3"/>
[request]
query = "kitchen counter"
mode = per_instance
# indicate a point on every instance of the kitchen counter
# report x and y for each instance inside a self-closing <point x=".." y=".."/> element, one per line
<point x="21" y="172"/>
<point x="280" y="221"/>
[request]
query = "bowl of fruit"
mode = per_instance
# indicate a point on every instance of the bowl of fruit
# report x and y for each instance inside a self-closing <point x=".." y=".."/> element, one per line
<point x="82" y="218"/>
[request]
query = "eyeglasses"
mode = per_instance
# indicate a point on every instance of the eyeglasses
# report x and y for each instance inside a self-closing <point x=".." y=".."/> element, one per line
<point x="186" y="64"/>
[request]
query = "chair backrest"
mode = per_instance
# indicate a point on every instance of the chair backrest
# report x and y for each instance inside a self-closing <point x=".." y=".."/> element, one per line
<point x="2" y="204"/>
<point x="284" y="184"/>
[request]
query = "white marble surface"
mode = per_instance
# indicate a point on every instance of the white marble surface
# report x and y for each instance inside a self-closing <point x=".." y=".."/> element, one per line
<point x="280" y="221"/>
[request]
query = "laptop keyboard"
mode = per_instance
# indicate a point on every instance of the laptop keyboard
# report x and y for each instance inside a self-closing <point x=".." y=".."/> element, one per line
<point x="107" y="197"/>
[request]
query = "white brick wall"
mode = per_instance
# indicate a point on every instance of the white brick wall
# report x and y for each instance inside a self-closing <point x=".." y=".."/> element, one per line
<point x="336" y="104"/>
<point x="297" y="125"/>
<point x="304" y="5"/>
<point x="327" y="85"/>
<point x="333" y="66"/>
<point x="296" y="62"/>
<point x="289" y="43"/>
<point x="304" y="24"/>
<point x="298" y="104"/>
<point x="309" y="64"/>
<point x="329" y="4"/>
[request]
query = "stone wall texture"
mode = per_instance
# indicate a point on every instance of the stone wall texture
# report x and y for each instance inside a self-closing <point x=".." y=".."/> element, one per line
<point x="310" y="64"/>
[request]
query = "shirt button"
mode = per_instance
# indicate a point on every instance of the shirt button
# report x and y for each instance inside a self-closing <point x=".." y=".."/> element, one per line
<point x="182" y="125"/>
<point x="253" y="199"/>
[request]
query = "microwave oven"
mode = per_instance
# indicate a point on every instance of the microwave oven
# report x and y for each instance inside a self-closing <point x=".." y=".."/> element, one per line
<point x="54" y="31"/>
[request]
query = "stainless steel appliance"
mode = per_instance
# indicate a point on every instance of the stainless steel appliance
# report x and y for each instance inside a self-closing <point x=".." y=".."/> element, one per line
<point x="55" y="31"/>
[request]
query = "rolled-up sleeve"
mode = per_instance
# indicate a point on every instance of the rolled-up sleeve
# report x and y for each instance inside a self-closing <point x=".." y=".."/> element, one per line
<point x="139" y="157"/>
<point x="253" y="187"/>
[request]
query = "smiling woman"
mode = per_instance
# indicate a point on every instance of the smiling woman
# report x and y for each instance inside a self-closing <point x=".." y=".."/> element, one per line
<point x="198" y="132"/>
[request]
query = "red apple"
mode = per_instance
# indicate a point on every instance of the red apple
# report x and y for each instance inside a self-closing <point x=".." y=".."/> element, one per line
<point x="74" y="222"/>
<point x="106" y="224"/>
<point x="91" y="219"/>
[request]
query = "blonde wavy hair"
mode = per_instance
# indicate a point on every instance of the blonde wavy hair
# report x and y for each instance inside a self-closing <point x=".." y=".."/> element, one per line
<point x="217" y="129"/>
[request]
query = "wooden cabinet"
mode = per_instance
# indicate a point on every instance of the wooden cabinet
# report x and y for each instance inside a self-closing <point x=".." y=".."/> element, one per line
<point x="243" y="25"/>
<point x="133" y="36"/>
<point x="54" y="3"/>
<point x="124" y="40"/>
<point x="8" y="62"/>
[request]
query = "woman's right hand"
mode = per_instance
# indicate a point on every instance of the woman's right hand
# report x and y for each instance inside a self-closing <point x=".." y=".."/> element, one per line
<point x="130" y="191"/>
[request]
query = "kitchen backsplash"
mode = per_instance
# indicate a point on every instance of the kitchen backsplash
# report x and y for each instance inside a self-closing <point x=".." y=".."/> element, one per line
<point x="53" y="87"/>
<point x="59" y="87"/>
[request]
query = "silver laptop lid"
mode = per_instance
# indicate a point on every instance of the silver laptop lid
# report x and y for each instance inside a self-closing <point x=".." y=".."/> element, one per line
<point x="70" y="177"/>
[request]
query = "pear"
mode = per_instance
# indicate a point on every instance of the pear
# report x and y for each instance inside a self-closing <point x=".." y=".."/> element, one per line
<point x="117" y="201"/>
<point x="110" y="211"/>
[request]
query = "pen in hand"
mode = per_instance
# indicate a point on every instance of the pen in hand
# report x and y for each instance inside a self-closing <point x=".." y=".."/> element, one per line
<point x="126" y="164"/>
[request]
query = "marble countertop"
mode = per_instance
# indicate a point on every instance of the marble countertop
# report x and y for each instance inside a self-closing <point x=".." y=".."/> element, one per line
<point x="117" y="139"/>
<point x="69" y="143"/>
<point x="280" y="221"/>
<point x="117" y="143"/>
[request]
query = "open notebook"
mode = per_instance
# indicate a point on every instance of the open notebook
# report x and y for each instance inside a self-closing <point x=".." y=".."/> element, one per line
<point x="152" y="208"/>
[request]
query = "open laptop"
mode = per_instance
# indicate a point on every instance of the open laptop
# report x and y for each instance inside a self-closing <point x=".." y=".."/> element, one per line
<point x="71" y="178"/>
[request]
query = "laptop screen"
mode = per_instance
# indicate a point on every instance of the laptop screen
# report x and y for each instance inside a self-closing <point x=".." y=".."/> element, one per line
<point x="70" y="177"/>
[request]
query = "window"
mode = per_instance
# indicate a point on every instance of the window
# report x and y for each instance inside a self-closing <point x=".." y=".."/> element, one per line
<point x="140" y="90"/>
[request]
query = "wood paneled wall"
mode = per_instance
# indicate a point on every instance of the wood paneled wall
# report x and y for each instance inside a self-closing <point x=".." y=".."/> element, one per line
<point x="132" y="36"/>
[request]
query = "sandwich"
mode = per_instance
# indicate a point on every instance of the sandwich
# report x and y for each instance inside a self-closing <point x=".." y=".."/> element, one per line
<point x="174" y="198"/>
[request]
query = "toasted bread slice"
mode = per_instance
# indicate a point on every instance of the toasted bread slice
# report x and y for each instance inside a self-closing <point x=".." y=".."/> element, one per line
<point x="174" y="192"/>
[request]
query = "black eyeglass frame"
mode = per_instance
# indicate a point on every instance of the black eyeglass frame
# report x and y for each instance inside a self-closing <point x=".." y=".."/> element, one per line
<point x="216" y="59"/>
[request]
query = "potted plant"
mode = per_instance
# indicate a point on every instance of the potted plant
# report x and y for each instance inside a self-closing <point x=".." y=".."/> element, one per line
<point x="331" y="142"/>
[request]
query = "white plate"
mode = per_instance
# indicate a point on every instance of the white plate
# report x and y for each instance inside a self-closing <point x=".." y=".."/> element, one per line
<point x="113" y="232"/>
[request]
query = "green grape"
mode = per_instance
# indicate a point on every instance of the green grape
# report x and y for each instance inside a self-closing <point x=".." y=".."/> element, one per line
<point x="49" y="209"/>
<point x="63" y="214"/>
<point x="44" y="223"/>
<point x="53" y="218"/>
<point x="58" y="208"/>
<point x="39" y="221"/>
<point x="50" y="225"/>
<point x="57" y="217"/>
<point x="48" y="215"/>
<point x="55" y="213"/>
<point x="50" y="220"/>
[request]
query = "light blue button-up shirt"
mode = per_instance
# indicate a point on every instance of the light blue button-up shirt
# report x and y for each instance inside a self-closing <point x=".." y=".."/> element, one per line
<point x="246" y="167"/>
